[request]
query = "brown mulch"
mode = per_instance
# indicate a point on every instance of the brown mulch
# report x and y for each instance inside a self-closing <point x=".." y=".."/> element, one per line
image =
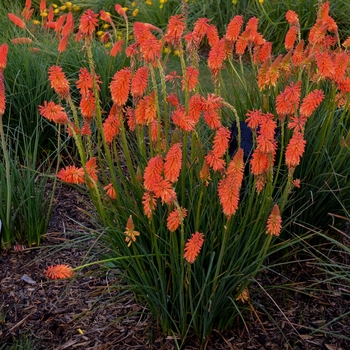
<point x="95" y="311"/>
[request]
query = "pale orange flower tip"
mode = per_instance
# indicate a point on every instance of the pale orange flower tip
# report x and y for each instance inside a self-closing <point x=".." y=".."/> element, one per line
<point x="274" y="222"/>
<point x="193" y="247"/>
<point x="56" y="272"/>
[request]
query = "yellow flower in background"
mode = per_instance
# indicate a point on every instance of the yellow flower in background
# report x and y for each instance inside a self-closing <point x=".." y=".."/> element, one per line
<point x="43" y="14"/>
<point x="100" y="32"/>
<point x="54" y="6"/>
<point x="234" y="2"/>
<point x="176" y="52"/>
<point x="63" y="8"/>
<point x="108" y="45"/>
<point x="261" y="1"/>
<point x="56" y="11"/>
<point x="76" y="8"/>
<point x="135" y="12"/>
<point x="166" y="50"/>
<point x="161" y="6"/>
<point x="105" y="26"/>
<point x="68" y="4"/>
<point x="149" y="2"/>
<point x="36" y="22"/>
<point x="125" y="9"/>
<point x="133" y="4"/>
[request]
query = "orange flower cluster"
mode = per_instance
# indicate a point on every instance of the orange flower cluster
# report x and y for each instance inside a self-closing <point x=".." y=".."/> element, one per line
<point x="88" y="23"/>
<point x="72" y="174"/>
<point x="59" y="81"/>
<point x="220" y="145"/>
<point x="120" y="86"/>
<point x="175" y="30"/>
<point x="293" y="31"/>
<point x="54" y="113"/>
<point x="264" y="155"/>
<point x="193" y="247"/>
<point x="59" y="272"/>
<point x="274" y="222"/>
<point x="130" y="232"/>
<point x="111" y="125"/>
<point x="159" y="176"/>
<point x="175" y="219"/>
<point x="229" y="187"/>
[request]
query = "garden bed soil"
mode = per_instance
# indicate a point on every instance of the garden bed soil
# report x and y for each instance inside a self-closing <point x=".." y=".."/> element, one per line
<point x="94" y="311"/>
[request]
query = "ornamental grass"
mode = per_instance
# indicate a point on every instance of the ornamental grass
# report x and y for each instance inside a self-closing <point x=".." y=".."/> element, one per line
<point x="193" y="189"/>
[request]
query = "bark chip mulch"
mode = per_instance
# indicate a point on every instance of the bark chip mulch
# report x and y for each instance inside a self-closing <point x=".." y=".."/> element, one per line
<point x="95" y="311"/>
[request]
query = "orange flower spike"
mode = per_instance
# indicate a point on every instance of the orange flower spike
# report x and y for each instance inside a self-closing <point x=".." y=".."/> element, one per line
<point x="221" y="141"/>
<point x="3" y="56"/>
<point x="182" y="120"/>
<point x="106" y="17"/>
<point x="254" y="118"/>
<point x="195" y="108"/>
<point x="229" y="187"/>
<point x="84" y="82"/>
<point x="54" y="113"/>
<point x="287" y="102"/>
<point x="200" y="28"/>
<point x="88" y="106"/>
<point x="274" y="222"/>
<point x="295" y="150"/>
<point x="175" y="30"/>
<point x="59" y="81"/>
<point x="291" y="37"/>
<point x="212" y="35"/>
<point x="164" y="190"/>
<point x="234" y="28"/>
<point x="139" y="82"/>
<point x="193" y="247"/>
<point x="173" y="162"/>
<point x="88" y="23"/>
<point x="151" y="49"/>
<point x="72" y="174"/>
<point x="119" y="9"/>
<point x="310" y="102"/>
<point x="117" y="48"/>
<point x="264" y="52"/>
<point x="216" y="163"/>
<point x="298" y="54"/>
<point x="340" y="65"/>
<point x="149" y="204"/>
<point x="272" y="73"/>
<point x="16" y="20"/>
<point x="153" y="172"/>
<point x="110" y="191"/>
<point x="130" y="233"/>
<point x="42" y="6"/>
<point x="259" y="162"/>
<point x="120" y="86"/>
<point x="325" y="65"/>
<point x="292" y="17"/>
<point x="175" y="218"/>
<point x="192" y="78"/>
<point x="59" y="272"/>
<point x="111" y="126"/>
<point x="62" y="45"/>
<point x="217" y="56"/>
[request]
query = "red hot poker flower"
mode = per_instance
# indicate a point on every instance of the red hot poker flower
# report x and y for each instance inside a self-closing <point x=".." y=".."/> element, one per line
<point x="291" y="37"/>
<point x="292" y="17"/>
<point x="16" y="20"/>
<point x="221" y="141"/>
<point x="120" y="86"/>
<point x="274" y="222"/>
<point x="175" y="30"/>
<point x="139" y="82"/>
<point x="295" y="150"/>
<point x="174" y="219"/>
<point x="310" y="102"/>
<point x="3" y="56"/>
<point x="234" y="28"/>
<point x="110" y="191"/>
<point x="193" y="246"/>
<point x="88" y="22"/>
<point x="117" y="47"/>
<point x="59" y="81"/>
<point x="173" y="162"/>
<point x="72" y="174"/>
<point x="54" y="113"/>
<point x="59" y="272"/>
